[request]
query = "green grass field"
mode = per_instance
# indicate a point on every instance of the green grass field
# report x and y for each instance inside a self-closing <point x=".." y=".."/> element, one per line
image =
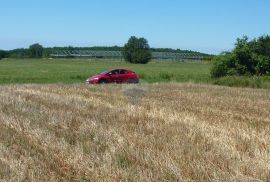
<point x="69" y="71"/>
<point x="78" y="70"/>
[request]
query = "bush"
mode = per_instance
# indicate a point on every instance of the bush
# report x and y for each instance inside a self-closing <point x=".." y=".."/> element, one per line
<point x="247" y="58"/>
<point x="263" y="66"/>
<point x="223" y="66"/>
<point x="219" y="69"/>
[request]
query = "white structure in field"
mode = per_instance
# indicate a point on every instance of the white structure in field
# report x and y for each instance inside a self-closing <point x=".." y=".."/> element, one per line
<point x="118" y="54"/>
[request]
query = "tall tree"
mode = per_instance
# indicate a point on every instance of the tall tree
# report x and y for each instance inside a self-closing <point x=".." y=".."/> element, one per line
<point x="137" y="50"/>
<point x="36" y="50"/>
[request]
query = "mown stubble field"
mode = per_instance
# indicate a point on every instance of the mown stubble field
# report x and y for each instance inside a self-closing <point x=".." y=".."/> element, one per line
<point x="159" y="132"/>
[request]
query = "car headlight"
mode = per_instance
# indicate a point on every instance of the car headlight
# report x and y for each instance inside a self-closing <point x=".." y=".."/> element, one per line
<point x="94" y="79"/>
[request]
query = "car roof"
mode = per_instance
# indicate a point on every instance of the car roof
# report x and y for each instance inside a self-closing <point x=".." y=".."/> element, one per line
<point x="105" y="72"/>
<point x="119" y="69"/>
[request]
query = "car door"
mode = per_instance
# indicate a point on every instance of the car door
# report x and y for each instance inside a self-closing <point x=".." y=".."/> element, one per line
<point x="114" y="76"/>
<point x="123" y="76"/>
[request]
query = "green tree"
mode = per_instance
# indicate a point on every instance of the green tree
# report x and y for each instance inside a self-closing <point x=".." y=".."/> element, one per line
<point x="3" y="54"/>
<point x="137" y="50"/>
<point x="36" y="51"/>
<point x="243" y="56"/>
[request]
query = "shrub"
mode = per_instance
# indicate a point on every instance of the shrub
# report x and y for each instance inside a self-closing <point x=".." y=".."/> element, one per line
<point x="222" y="66"/>
<point x="247" y="58"/>
<point x="263" y="66"/>
<point x="219" y="69"/>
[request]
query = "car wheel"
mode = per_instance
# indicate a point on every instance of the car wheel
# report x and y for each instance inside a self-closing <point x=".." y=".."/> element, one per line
<point x="134" y="81"/>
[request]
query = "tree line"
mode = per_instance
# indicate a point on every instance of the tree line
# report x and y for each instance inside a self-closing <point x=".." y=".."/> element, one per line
<point x="38" y="51"/>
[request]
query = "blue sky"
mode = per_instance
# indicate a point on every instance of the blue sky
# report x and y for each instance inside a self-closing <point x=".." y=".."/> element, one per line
<point x="209" y="26"/>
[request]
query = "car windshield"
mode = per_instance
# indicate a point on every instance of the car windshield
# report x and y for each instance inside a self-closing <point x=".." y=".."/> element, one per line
<point x="104" y="72"/>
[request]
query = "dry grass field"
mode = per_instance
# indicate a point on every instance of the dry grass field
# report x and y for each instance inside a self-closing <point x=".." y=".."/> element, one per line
<point x="159" y="132"/>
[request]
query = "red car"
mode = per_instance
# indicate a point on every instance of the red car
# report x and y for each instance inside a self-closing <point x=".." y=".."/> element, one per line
<point x="114" y="76"/>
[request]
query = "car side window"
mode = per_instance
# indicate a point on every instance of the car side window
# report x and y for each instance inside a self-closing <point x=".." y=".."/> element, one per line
<point x="115" y="72"/>
<point x="122" y="72"/>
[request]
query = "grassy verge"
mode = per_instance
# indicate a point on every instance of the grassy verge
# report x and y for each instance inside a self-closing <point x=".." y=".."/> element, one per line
<point x="70" y="71"/>
<point x="244" y="81"/>
<point x="78" y="70"/>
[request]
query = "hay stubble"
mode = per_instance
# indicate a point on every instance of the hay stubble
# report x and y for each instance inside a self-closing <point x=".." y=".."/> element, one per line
<point x="167" y="132"/>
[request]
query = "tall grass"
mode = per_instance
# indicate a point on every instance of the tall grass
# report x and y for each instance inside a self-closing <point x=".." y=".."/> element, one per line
<point x="244" y="81"/>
